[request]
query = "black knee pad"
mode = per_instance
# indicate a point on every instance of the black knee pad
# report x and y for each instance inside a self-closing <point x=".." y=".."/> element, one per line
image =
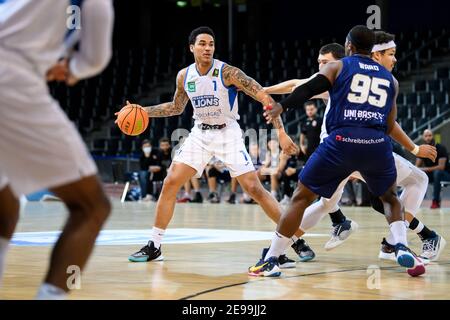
<point x="376" y="203"/>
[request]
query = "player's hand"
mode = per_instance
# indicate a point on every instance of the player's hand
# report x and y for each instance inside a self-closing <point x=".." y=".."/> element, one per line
<point x="303" y="148"/>
<point x="117" y="113"/>
<point x="290" y="171"/>
<point x="427" y="151"/>
<point x="287" y="145"/>
<point x="272" y="111"/>
<point x="58" y="72"/>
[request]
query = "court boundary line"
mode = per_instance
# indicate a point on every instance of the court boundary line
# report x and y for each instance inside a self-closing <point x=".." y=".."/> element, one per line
<point x="287" y="277"/>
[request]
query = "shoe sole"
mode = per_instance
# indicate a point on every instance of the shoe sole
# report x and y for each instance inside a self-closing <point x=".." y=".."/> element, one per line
<point x="275" y="272"/>
<point x="416" y="271"/>
<point x="288" y="265"/>
<point x="308" y="258"/>
<point x="353" y="228"/>
<point x="442" y="244"/>
<point x="387" y="256"/>
<point x="132" y="259"/>
<point x="406" y="260"/>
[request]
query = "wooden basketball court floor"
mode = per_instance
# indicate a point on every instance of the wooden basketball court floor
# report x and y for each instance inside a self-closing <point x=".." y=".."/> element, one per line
<point x="208" y="250"/>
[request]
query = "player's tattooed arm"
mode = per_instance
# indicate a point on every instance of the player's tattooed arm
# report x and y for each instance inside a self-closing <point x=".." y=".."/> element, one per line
<point x="236" y="77"/>
<point x="176" y="106"/>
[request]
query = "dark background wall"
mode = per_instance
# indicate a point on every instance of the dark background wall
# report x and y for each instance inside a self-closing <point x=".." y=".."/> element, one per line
<point x="144" y="23"/>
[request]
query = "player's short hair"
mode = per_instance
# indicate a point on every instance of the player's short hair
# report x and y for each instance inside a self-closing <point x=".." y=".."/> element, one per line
<point x="383" y="37"/>
<point x="200" y="30"/>
<point x="164" y="139"/>
<point x="362" y="38"/>
<point x="336" y="50"/>
<point x="310" y="102"/>
<point x="145" y="141"/>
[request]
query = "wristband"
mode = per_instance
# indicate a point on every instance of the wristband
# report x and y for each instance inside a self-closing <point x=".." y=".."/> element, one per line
<point x="416" y="149"/>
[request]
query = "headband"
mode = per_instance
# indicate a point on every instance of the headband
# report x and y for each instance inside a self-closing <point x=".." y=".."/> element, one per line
<point x="383" y="46"/>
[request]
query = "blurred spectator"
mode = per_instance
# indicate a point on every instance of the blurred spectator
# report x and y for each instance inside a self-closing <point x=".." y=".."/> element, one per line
<point x="437" y="171"/>
<point x="216" y="171"/>
<point x="150" y="165"/>
<point x="198" y="198"/>
<point x="165" y="154"/>
<point x="288" y="171"/>
<point x="269" y="169"/>
<point x="253" y="151"/>
<point x="310" y="130"/>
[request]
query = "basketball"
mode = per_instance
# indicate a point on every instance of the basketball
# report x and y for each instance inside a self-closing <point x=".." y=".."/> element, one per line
<point x="132" y="120"/>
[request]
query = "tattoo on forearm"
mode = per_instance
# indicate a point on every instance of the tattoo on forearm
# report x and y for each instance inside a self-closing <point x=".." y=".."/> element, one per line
<point x="278" y="123"/>
<point x="173" y="108"/>
<point x="245" y="83"/>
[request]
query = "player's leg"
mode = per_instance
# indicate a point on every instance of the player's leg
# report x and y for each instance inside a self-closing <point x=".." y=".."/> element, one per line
<point x="9" y="215"/>
<point x="177" y="175"/>
<point x="212" y="173"/>
<point x="233" y="190"/>
<point x="414" y="189"/>
<point x="88" y="209"/>
<point x="274" y="182"/>
<point x="395" y="217"/>
<point x="287" y="226"/>
<point x="325" y="184"/>
<point x="186" y="197"/>
<point x="198" y="198"/>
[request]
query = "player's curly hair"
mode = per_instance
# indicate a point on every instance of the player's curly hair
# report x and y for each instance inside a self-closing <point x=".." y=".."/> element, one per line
<point x="200" y="30"/>
<point x="362" y="38"/>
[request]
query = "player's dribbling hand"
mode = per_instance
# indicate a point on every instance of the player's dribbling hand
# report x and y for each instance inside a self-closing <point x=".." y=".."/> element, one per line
<point x="287" y="145"/>
<point x="427" y="151"/>
<point x="117" y="113"/>
<point x="272" y="111"/>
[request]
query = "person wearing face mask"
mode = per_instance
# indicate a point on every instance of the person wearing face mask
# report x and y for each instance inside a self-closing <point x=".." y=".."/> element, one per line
<point x="150" y="165"/>
<point x="438" y="170"/>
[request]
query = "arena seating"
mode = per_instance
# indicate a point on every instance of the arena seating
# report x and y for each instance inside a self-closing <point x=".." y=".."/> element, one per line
<point x="147" y="76"/>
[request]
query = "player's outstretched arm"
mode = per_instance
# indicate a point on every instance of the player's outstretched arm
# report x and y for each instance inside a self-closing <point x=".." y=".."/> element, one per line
<point x="422" y="151"/>
<point x="284" y="87"/>
<point x="289" y="86"/>
<point x="320" y="83"/>
<point x="236" y="77"/>
<point x="176" y="106"/>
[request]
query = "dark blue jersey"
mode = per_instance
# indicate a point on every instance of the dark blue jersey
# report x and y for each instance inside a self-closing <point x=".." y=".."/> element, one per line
<point x="362" y="95"/>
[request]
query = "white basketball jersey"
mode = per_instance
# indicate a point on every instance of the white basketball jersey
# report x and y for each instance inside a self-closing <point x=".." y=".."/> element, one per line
<point x="323" y="131"/>
<point x="34" y="30"/>
<point x="213" y="102"/>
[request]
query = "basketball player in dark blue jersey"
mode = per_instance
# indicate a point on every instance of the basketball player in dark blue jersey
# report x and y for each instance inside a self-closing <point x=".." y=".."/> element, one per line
<point x="362" y="114"/>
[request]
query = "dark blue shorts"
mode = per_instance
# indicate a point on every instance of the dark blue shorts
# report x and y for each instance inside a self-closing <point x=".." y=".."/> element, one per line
<point x="346" y="150"/>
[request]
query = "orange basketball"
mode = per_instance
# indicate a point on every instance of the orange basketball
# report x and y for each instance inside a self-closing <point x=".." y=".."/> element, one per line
<point x="132" y="119"/>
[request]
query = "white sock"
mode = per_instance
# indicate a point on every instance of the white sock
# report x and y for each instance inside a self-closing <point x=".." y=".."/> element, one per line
<point x="273" y="193"/>
<point x="157" y="235"/>
<point x="4" y="245"/>
<point x="186" y="195"/>
<point x="246" y="197"/>
<point x="50" y="292"/>
<point x="390" y="239"/>
<point x="278" y="246"/>
<point x="294" y="238"/>
<point x="406" y="224"/>
<point x="398" y="230"/>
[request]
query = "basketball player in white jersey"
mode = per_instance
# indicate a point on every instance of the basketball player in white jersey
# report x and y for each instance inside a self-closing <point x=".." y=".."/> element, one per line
<point x="40" y="147"/>
<point x="211" y="86"/>
<point x="413" y="181"/>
